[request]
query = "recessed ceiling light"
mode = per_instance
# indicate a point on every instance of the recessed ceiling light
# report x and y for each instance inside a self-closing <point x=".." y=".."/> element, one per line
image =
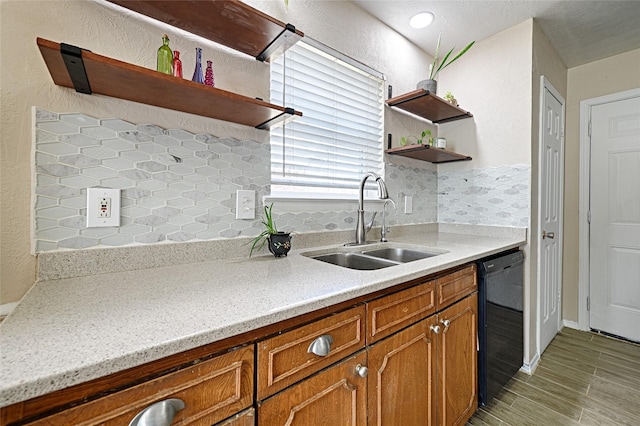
<point x="421" y="20"/>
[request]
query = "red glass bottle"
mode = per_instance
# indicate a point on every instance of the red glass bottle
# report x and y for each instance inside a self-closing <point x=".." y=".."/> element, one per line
<point x="208" y="75"/>
<point x="177" y="64"/>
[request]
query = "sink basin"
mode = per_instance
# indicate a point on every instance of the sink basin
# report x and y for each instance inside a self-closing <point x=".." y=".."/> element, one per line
<point x="355" y="261"/>
<point x="401" y="255"/>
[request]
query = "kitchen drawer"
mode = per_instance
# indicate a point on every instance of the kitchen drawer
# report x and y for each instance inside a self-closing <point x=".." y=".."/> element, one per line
<point x="284" y="359"/>
<point x="455" y="286"/>
<point x="211" y="390"/>
<point x="391" y="313"/>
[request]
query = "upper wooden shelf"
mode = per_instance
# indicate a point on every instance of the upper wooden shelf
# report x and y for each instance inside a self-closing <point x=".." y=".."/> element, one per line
<point x="228" y="22"/>
<point x="425" y="104"/>
<point x="110" y="77"/>
<point x="427" y="153"/>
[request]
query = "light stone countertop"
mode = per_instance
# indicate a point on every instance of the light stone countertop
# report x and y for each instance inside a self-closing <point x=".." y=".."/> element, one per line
<point x="68" y="331"/>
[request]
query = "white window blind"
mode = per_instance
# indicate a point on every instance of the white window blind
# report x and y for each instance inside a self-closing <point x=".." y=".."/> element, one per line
<point x="340" y="136"/>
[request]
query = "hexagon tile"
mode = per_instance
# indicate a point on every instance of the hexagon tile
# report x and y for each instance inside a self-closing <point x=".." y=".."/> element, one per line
<point x="178" y="186"/>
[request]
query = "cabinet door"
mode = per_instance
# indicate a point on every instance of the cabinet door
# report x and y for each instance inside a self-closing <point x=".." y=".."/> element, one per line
<point x="401" y="389"/>
<point x="457" y="362"/>
<point x="335" y="396"/>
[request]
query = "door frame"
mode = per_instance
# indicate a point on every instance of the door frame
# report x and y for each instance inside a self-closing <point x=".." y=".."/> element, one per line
<point x="546" y="85"/>
<point x="584" y="200"/>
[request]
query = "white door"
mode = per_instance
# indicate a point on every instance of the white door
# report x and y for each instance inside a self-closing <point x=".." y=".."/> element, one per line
<point x="550" y="215"/>
<point x="615" y="218"/>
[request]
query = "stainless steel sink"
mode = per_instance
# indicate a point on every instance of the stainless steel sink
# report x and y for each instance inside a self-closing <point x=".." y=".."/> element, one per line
<point x="355" y="261"/>
<point x="373" y="258"/>
<point x="401" y="255"/>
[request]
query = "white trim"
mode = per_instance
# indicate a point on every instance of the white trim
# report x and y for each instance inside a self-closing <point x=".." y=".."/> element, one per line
<point x="546" y="85"/>
<point x="571" y="324"/>
<point x="530" y="368"/>
<point x="584" y="198"/>
<point x="320" y="204"/>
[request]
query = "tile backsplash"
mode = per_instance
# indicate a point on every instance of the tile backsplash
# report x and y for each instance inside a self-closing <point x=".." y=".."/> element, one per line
<point x="489" y="196"/>
<point x="176" y="185"/>
<point x="180" y="186"/>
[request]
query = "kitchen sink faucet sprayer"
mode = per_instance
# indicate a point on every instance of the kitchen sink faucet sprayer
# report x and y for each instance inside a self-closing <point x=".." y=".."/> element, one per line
<point x="384" y="229"/>
<point x="361" y="232"/>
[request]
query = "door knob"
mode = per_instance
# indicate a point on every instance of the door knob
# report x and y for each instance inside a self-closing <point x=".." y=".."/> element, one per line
<point x="321" y="346"/>
<point x="550" y="235"/>
<point x="446" y="324"/>
<point x="435" y="328"/>
<point x="159" y="414"/>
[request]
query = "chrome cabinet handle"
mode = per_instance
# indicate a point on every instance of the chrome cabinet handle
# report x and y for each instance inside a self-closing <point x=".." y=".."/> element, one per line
<point x="550" y="235"/>
<point x="159" y="414"/>
<point x="361" y="370"/>
<point x="446" y="324"/>
<point x="435" y="328"/>
<point x="321" y="346"/>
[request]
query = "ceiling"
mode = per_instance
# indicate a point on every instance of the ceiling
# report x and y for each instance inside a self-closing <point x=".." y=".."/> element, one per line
<point x="582" y="31"/>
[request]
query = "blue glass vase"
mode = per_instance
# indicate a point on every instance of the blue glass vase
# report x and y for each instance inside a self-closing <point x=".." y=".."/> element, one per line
<point x="197" y="72"/>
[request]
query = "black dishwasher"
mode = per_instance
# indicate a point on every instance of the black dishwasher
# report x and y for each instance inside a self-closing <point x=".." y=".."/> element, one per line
<point x="500" y="322"/>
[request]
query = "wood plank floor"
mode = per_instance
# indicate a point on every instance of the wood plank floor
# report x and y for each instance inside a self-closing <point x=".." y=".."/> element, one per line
<point x="583" y="379"/>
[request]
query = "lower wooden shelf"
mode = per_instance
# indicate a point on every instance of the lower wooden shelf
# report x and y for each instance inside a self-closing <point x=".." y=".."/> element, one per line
<point x="110" y="77"/>
<point x="428" y="153"/>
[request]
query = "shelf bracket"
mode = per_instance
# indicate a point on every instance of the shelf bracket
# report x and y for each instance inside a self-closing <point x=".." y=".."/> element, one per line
<point x="287" y="38"/>
<point x="287" y="116"/>
<point x="72" y="57"/>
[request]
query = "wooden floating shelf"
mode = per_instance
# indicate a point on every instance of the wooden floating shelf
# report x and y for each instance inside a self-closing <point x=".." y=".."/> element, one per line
<point x="427" y="153"/>
<point x="228" y="22"/>
<point x="425" y="104"/>
<point x="110" y="77"/>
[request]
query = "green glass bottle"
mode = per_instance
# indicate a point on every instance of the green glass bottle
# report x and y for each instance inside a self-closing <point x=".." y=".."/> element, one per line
<point x="165" y="57"/>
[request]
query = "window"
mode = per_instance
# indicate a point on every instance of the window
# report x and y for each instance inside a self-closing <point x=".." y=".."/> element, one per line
<point x="325" y="153"/>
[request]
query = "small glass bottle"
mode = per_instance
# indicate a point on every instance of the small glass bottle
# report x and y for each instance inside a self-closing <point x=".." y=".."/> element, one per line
<point x="165" y="57"/>
<point x="208" y="75"/>
<point x="177" y="64"/>
<point x="197" y="72"/>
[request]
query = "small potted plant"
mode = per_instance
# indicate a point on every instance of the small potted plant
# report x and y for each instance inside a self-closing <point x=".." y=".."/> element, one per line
<point x="451" y="99"/>
<point x="431" y="84"/>
<point x="279" y="242"/>
<point x="404" y="140"/>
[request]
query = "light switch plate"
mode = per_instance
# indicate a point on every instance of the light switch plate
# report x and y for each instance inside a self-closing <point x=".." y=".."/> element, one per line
<point x="103" y="207"/>
<point x="408" y="204"/>
<point x="245" y="204"/>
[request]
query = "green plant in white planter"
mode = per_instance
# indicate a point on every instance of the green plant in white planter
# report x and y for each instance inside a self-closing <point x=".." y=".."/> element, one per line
<point x="431" y="84"/>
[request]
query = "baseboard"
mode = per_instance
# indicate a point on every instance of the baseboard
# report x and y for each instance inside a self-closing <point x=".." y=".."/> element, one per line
<point x="530" y="368"/>
<point x="571" y="324"/>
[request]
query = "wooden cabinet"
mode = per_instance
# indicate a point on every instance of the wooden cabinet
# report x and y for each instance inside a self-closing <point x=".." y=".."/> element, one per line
<point x="335" y="396"/>
<point x="457" y="351"/>
<point x="404" y="356"/>
<point x="420" y="361"/>
<point x="402" y="378"/>
<point x="211" y="391"/>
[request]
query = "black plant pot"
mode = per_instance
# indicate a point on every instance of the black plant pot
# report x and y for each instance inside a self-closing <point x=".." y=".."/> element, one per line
<point x="280" y="243"/>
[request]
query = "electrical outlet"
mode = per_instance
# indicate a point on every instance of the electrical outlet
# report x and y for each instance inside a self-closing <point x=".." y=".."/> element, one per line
<point x="245" y="204"/>
<point x="103" y="207"/>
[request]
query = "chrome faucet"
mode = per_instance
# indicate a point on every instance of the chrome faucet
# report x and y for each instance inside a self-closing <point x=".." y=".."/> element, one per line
<point x="384" y="229"/>
<point x="361" y="233"/>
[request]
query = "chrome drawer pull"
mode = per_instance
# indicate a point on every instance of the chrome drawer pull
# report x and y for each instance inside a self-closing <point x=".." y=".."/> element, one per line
<point x="159" y="414"/>
<point x="361" y="370"/>
<point x="321" y="346"/>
